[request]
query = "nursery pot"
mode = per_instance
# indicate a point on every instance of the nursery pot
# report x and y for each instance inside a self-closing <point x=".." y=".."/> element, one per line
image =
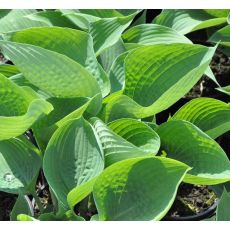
<point x="200" y="216"/>
<point x="193" y="202"/>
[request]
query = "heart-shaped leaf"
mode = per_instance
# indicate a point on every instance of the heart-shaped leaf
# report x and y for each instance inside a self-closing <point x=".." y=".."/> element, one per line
<point x="150" y="34"/>
<point x="20" y="164"/>
<point x="115" y="147"/>
<point x="75" y="44"/>
<point x="127" y="190"/>
<point x="148" y="67"/>
<point x="185" y="21"/>
<point x="73" y="157"/>
<point x="51" y="72"/>
<point x="210" y="115"/>
<point x="12" y="20"/>
<point x="137" y="133"/>
<point x="184" y="142"/>
<point x="20" y="108"/>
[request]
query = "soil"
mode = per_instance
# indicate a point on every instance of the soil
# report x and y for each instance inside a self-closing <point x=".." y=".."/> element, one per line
<point x="6" y="204"/>
<point x="191" y="200"/>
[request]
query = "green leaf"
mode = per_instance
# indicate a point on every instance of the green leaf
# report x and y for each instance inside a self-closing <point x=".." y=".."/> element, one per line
<point x="115" y="147"/>
<point x="73" y="157"/>
<point x="71" y="216"/>
<point x="127" y="190"/>
<point x="50" y="71"/>
<point x="218" y="12"/>
<point x="117" y="73"/>
<point x="147" y="68"/>
<point x="186" y="21"/>
<point x="108" y="56"/>
<point x="95" y="218"/>
<point x="225" y="89"/>
<point x="75" y="44"/>
<point x="8" y="70"/>
<point x="14" y="99"/>
<point x="80" y="19"/>
<point x="185" y="142"/>
<point x="21" y="207"/>
<point x="20" y="80"/>
<point x="12" y="20"/>
<point x="20" y="164"/>
<point x="105" y="27"/>
<point x="80" y="192"/>
<point x="51" y="18"/>
<point x="150" y="34"/>
<point x="106" y="32"/>
<point x="67" y="216"/>
<point x="108" y="13"/>
<point x="222" y="212"/>
<point x="65" y="109"/>
<point x="20" y="108"/>
<point x="24" y="217"/>
<point x="222" y="36"/>
<point x="210" y="115"/>
<point x="137" y="133"/>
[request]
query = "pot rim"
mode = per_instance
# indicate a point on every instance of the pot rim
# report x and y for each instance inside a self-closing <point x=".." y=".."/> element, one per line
<point x="200" y="216"/>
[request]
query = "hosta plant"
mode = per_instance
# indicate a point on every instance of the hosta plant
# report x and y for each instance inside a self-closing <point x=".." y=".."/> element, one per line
<point x="79" y="98"/>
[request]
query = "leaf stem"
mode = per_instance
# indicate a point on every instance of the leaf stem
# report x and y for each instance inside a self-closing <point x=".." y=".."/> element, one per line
<point x="38" y="202"/>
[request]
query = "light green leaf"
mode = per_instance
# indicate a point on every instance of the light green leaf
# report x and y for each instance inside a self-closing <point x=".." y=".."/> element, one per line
<point x="108" y="13"/>
<point x="50" y="71"/>
<point x="12" y="20"/>
<point x="21" y="207"/>
<point x="106" y="32"/>
<point x="80" y="192"/>
<point x="20" y="108"/>
<point x="117" y="73"/>
<point x="8" y="70"/>
<point x="140" y="19"/>
<point x="150" y="34"/>
<point x="20" y="164"/>
<point x="218" y="13"/>
<point x="222" y="212"/>
<point x="137" y="133"/>
<point x="65" y="109"/>
<point x="94" y="218"/>
<point x="115" y="147"/>
<point x="24" y="217"/>
<point x="186" y="21"/>
<point x="67" y="216"/>
<point x="127" y="190"/>
<point x="185" y="142"/>
<point x="109" y="55"/>
<point x="210" y="115"/>
<point x="148" y="67"/>
<point x="222" y="36"/>
<point x="71" y="216"/>
<point x="20" y="80"/>
<point x="73" y="157"/>
<point x="145" y="70"/>
<point x="80" y="19"/>
<point x="51" y="18"/>
<point x="225" y="89"/>
<point x="75" y="44"/>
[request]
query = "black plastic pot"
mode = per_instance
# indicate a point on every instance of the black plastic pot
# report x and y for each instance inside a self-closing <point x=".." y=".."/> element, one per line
<point x="201" y="216"/>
